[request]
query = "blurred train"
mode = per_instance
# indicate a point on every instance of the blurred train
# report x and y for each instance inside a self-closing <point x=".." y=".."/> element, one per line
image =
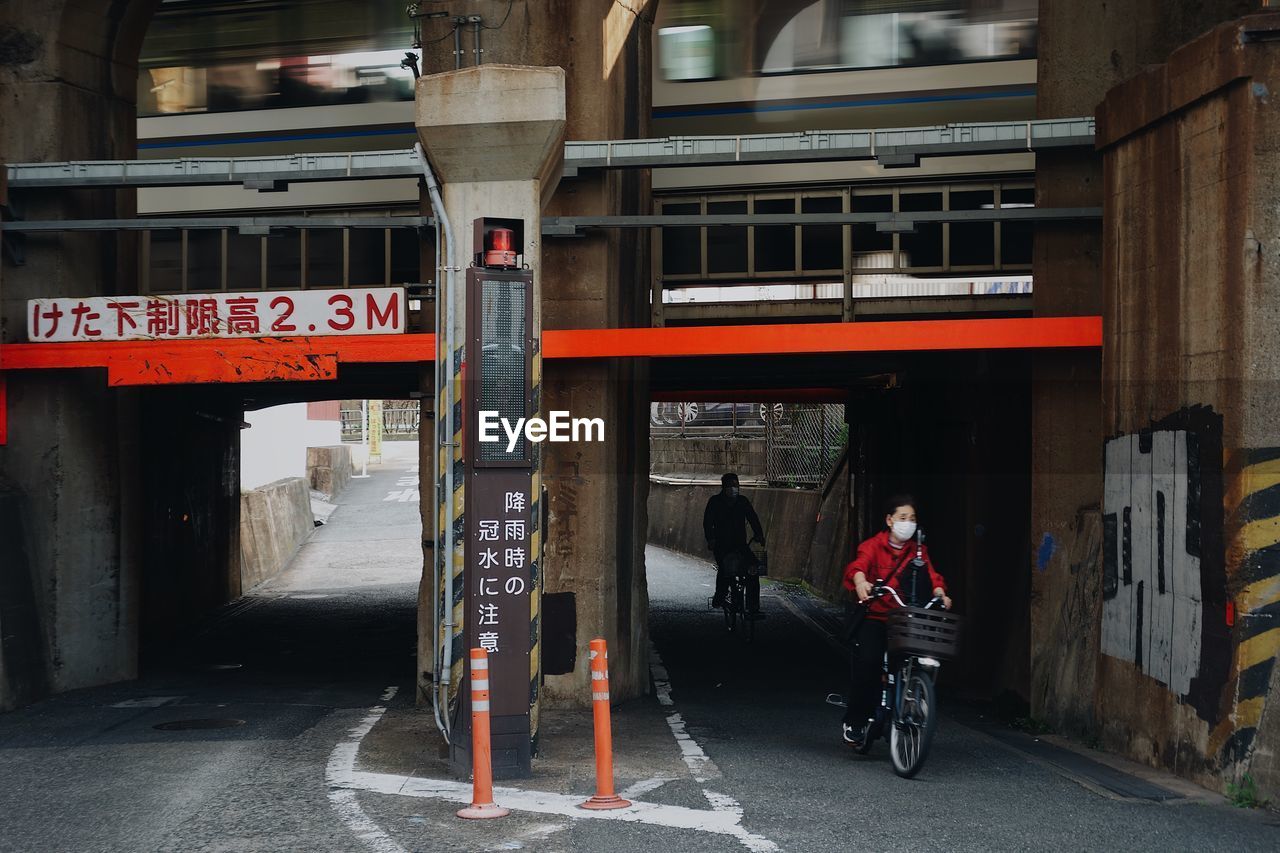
<point x="246" y="77"/>
<point x="260" y="76"/>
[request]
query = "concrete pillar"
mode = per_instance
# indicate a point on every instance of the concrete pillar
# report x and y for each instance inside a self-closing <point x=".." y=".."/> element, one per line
<point x="67" y="83"/>
<point x="594" y="572"/>
<point x="494" y="137"/>
<point x="1191" y="367"/>
<point x="1086" y="409"/>
<point x="1084" y="49"/>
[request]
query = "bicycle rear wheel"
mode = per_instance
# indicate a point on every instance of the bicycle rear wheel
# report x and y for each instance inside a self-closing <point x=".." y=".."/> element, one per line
<point x="913" y="725"/>
<point x="730" y="610"/>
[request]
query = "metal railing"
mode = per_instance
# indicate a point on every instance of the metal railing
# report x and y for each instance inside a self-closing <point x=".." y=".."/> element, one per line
<point x="802" y="442"/>
<point x="400" y="419"/>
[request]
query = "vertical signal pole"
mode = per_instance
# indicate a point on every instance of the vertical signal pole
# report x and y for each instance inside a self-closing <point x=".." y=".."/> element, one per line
<point x="605" y="797"/>
<point x="482" y="804"/>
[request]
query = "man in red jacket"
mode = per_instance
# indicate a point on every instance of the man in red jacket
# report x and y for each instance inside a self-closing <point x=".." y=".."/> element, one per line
<point x="884" y="559"/>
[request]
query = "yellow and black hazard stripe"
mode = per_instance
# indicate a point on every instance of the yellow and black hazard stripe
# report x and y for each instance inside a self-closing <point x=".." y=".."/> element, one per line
<point x="1252" y="499"/>
<point x="537" y="506"/>
<point x="451" y="390"/>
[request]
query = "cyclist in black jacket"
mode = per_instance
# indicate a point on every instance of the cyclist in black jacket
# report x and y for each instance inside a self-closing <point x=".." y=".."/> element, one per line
<point x="724" y="522"/>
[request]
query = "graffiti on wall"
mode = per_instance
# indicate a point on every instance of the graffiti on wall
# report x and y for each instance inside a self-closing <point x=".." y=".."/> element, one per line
<point x="1152" y="607"/>
<point x="1164" y="575"/>
<point x="1191" y="571"/>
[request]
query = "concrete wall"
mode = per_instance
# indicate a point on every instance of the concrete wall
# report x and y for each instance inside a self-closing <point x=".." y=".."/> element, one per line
<point x="275" y="444"/>
<point x="1084" y="49"/>
<point x="706" y="457"/>
<point x="1191" y="562"/>
<point x="807" y="533"/>
<point x="70" y="469"/>
<point x="329" y="468"/>
<point x="274" y="522"/>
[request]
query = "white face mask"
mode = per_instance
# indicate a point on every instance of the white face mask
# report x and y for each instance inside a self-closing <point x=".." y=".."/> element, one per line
<point x="904" y="530"/>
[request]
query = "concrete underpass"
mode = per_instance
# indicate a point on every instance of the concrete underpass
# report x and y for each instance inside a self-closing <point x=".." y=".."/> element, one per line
<point x="292" y="676"/>
<point x="1018" y="259"/>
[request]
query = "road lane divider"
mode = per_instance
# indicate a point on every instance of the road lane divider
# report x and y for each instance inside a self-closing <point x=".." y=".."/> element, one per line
<point x="605" y="797"/>
<point x="482" y="804"/>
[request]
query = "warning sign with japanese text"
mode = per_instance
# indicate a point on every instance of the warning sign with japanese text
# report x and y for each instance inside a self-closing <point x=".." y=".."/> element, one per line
<point x="255" y="314"/>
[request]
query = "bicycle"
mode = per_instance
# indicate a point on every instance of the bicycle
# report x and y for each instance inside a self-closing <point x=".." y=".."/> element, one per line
<point x="907" y="715"/>
<point x="735" y="601"/>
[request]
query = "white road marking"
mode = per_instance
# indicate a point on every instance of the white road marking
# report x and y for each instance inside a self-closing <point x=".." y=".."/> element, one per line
<point x="700" y="765"/>
<point x="721" y="822"/>
<point x="641" y="788"/>
<point x="360" y="824"/>
<point x="341" y="766"/>
<point x="147" y="702"/>
<point x="344" y="781"/>
<point x="402" y="495"/>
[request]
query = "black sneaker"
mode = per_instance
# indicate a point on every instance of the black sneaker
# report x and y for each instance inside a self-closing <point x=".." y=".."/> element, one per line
<point x="852" y="736"/>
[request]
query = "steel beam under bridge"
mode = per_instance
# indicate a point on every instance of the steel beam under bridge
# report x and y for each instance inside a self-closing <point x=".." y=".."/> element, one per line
<point x="318" y="358"/>
<point x="890" y="147"/>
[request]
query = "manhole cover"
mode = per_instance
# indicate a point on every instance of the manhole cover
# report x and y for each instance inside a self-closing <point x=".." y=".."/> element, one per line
<point x="186" y="725"/>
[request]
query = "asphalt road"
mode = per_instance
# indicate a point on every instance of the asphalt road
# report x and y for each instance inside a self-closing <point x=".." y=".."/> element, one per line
<point x="332" y="754"/>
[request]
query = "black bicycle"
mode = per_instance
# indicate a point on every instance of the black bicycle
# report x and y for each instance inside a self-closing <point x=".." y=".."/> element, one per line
<point x="917" y="639"/>
<point x="735" y="602"/>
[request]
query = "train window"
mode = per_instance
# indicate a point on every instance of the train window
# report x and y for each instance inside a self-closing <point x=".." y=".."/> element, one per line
<point x="324" y="257"/>
<point x="923" y="249"/>
<point x="164" y="262"/>
<point x="687" y="52"/>
<point x="204" y="261"/>
<point x="803" y="35"/>
<point x="406" y="259"/>
<point x="284" y="260"/>
<point x="726" y="244"/>
<point x="775" y="245"/>
<point x="256" y="55"/>
<point x="366" y="256"/>
<point x="244" y="261"/>
<point x="972" y="243"/>
<point x="822" y="246"/>
<point x="872" y="249"/>
<point x="682" y="246"/>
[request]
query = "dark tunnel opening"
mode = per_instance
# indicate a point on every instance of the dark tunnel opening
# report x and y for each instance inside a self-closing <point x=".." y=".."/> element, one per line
<point x="954" y="430"/>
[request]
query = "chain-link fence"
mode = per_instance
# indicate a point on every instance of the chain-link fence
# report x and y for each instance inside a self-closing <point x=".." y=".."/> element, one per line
<point x="804" y="443"/>
<point x="791" y="445"/>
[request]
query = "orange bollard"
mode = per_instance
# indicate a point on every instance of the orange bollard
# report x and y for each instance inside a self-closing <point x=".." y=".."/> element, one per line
<point x="482" y="804"/>
<point x="605" y="798"/>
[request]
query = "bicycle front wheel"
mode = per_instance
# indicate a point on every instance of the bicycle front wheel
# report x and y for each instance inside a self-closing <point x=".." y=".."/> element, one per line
<point x="913" y="725"/>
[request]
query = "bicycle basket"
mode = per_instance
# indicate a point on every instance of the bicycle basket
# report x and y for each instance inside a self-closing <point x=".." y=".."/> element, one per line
<point x="917" y="631"/>
<point x="759" y="565"/>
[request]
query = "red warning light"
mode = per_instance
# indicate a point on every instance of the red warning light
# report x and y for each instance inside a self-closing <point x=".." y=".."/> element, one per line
<point x="499" y="252"/>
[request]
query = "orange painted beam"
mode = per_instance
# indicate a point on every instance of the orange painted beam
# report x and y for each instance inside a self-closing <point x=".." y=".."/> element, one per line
<point x="318" y="358"/>
<point x="824" y="338"/>
<point x="221" y="360"/>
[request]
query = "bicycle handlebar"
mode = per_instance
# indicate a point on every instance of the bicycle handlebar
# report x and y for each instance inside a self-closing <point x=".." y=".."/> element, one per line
<point x="878" y="591"/>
